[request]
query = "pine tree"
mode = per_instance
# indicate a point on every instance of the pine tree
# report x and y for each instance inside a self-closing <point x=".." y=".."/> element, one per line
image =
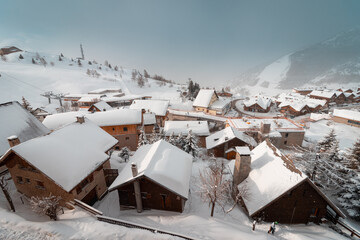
<point x="142" y="138"/>
<point x="327" y="143"/>
<point x="33" y="61"/>
<point x="60" y="59"/>
<point x="154" y="136"/>
<point x="133" y="75"/>
<point x="61" y="55"/>
<point x="190" y="144"/>
<point x="172" y="139"/>
<point x="21" y="56"/>
<point x="146" y="74"/>
<point x="354" y="156"/>
<point x="124" y="154"/>
<point x="180" y="141"/>
<point x="349" y="196"/>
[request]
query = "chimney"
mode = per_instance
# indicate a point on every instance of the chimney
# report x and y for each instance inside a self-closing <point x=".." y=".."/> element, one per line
<point x="242" y="165"/>
<point x="13" y="140"/>
<point x="137" y="190"/>
<point x="134" y="169"/>
<point x="80" y="119"/>
<point x="265" y="128"/>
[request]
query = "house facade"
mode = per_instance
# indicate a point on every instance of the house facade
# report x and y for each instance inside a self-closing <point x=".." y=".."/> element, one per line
<point x="347" y="117"/>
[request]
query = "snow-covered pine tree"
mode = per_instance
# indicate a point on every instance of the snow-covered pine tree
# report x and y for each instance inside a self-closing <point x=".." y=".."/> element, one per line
<point x="21" y="56"/>
<point x="172" y="139"/>
<point x="124" y="154"/>
<point x="180" y="141"/>
<point x="154" y="136"/>
<point x="142" y="138"/>
<point x="354" y="156"/>
<point x="326" y="144"/>
<point x="162" y="134"/>
<point x="190" y="144"/>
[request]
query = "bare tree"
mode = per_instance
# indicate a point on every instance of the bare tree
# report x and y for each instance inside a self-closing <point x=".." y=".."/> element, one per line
<point x="214" y="188"/>
<point x="46" y="205"/>
<point x="3" y="186"/>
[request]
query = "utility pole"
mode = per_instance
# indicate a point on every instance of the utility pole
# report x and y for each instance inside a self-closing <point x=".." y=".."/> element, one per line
<point x="82" y="52"/>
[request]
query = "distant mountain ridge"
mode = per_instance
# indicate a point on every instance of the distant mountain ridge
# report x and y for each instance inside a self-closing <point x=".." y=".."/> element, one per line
<point x="336" y="60"/>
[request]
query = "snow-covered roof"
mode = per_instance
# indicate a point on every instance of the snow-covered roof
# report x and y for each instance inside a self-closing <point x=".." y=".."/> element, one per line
<point x="162" y="163"/>
<point x="271" y="175"/>
<point x="325" y="94"/>
<point x="69" y="154"/>
<point x="243" y="150"/>
<point x="105" y="90"/>
<point x="102" y="106"/>
<point x="280" y="124"/>
<point x="263" y="102"/>
<point x="348" y="94"/>
<point x="159" y="107"/>
<point x="149" y="118"/>
<point x="203" y="98"/>
<point x="226" y="135"/>
<point x="109" y="118"/>
<point x="15" y="120"/>
<point x="298" y="106"/>
<point x="199" y="128"/>
<point x="348" y="114"/>
<point x="90" y="98"/>
<point x="220" y="103"/>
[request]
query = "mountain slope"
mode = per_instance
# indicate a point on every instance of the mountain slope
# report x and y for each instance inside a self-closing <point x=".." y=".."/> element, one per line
<point x="336" y="60"/>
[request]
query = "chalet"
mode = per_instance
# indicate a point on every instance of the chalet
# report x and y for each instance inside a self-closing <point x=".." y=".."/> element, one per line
<point x="294" y="108"/>
<point x="159" y="107"/>
<point x="208" y="101"/>
<point x="345" y="90"/>
<point x="349" y="97"/>
<point x="199" y="128"/>
<point x="100" y="107"/>
<point x="340" y="97"/>
<point x="69" y="163"/>
<point x="295" y="104"/>
<point x="123" y="124"/>
<point x="16" y="120"/>
<point x="276" y="189"/>
<point x="258" y="104"/>
<point x="347" y="116"/>
<point x="302" y="91"/>
<point x="223" y="140"/>
<point x="156" y="177"/>
<point x="223" y="93"/>
<point x="328" y="96"/>
<point x="88" y="100"/>
<point x="282" y="131"/>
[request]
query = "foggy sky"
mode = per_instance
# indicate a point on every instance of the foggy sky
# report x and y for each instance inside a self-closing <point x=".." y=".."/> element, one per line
<point x="209" y="41"/>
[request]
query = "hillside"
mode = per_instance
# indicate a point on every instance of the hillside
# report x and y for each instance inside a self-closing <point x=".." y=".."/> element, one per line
<point x="22" y="77"/>
<point x="335" y="61"/>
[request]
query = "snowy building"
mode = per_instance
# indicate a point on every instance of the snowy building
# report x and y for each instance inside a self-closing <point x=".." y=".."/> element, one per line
<point x="347" y="116"/>
<point x="69" y="163"/>
<point x="208" y="101"/>
<point x="156" y="177"/>
<point x="16" y="120"/>
<point x="159" y="107"/>
<point x="149" y="120"/>
<point x="199" y="128"/>
<point x="101" y="106"/>
<point x="258" y="104"/>
<point x="223" y="140"/>
<point x="123" y="124"/>
<point x="294" y="104"/>
<point x="275" y="189"/>
<point x="329" y="96"/>
<point x="282" y="131"/>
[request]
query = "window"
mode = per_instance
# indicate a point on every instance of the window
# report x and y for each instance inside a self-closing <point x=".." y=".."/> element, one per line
<point x="117" y="148"/>
<point x="304" y="193"/>
<point x="40" y="185"/>
<point x="27" y="181"/>
<point x="145" y="195"/>
<point x="354" y="122"/>
<point x="286" y="135"/>
<point x="314" y="212"/>
<point x="163" y="197"/>
<point x="285" y="142"/>
<point x="127" y="138"/>
<point x="113" y="129"/>
<point x="19" y="180"/>
<point x="125" y="129"/>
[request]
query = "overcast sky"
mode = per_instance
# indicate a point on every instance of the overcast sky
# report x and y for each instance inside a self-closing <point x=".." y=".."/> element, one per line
<point x="209" y="41"/>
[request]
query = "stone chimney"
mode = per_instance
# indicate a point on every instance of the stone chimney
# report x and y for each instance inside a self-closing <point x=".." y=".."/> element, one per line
<point x="242" y="165"/>
<point x="265" y="128"/>
<point x="137" y="190"/>
<point x="80" y="119"/>
<point x="13" y="140"/>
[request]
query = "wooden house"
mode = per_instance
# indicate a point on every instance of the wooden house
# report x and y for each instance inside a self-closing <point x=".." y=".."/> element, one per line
<point x="100" y="107"/>
<point x="149" y="122"/>
<point x="198" y="128"/>
<point x="347" y="116"/>
<point x="209" y="102"/>
<point x="156" y="177"/>
<point x="219" y="142"/>
<point x="328" y="96"/>
<point x="340" y="97"/>
<point x="159" y="107"/>
<point x="69" y="163"/>
<point x="258" y="104"/>
<point x="122" y="124"/>
<point x="294" y="108"/>
<point x="276" y="189"/>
